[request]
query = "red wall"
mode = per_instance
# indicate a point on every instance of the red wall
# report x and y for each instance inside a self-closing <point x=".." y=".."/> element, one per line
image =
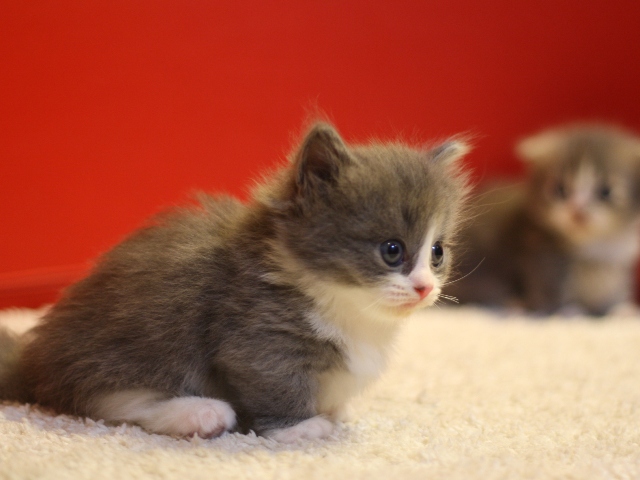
<point x="114" y="109"/>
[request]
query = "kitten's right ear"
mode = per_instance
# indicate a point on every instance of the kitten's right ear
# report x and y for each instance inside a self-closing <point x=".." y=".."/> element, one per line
<point x="541" y="148"/>
<point x="450" y="152"/>
<point x="320" y="158"/>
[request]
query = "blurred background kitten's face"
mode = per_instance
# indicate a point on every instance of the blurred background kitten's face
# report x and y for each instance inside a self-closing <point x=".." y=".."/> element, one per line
<point x="583" y="204"/>
<point x="585" y="184"/>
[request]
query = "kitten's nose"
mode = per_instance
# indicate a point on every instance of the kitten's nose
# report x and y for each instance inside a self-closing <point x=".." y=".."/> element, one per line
<point x="423" y="290"/>
<point x="579" y="216"/>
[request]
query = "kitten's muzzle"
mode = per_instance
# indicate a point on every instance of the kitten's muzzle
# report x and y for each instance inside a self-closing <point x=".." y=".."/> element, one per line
<point x="579" y="217"/>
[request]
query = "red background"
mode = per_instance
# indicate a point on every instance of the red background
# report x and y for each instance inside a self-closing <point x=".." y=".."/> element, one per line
<point x="112" y="110"/>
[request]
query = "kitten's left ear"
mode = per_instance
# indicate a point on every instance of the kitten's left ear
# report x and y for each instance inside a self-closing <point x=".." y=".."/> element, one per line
<point x="320" y="158"/>
<point x="450" y="152"/>
<point x="542" y="147"/>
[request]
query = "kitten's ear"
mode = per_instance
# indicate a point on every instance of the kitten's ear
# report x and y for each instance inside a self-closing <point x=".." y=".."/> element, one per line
<point x="541" y="148"/>
<point x="450" y="152"/>
<point x="320" y="158"/>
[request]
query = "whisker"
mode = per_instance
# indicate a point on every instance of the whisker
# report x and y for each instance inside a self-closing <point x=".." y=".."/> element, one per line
<point x="462" y="278"/>
<point x="376" y="302"/>
<point x="491" y="191"/>
<point x="478" y="209"/>
<point x="450" y="298"/>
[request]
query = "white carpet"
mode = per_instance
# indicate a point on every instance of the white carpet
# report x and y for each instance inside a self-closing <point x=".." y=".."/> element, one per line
<point x="468" y="395"/>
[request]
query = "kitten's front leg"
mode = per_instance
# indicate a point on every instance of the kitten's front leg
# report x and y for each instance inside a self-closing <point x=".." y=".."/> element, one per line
<point x="277" y="384"/>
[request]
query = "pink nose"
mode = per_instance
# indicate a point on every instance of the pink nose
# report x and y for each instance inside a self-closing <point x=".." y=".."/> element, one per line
<point x="579" y="217"/>
<point x="423" y="290"/>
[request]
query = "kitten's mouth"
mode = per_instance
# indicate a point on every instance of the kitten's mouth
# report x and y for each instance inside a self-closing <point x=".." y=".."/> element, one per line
<point x="580" y="223"/>
<point x="425" y="301"/>
<point x="578" y="233"/>
<point x="579" y="218"/>
<point x="407" y="305"/>
<point x="401" y="309"/>
<point x="414" y="305"/>
<point x="410" y="305"/>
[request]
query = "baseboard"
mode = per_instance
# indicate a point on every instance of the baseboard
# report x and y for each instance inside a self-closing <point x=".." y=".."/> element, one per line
<point x="37" y="287"/>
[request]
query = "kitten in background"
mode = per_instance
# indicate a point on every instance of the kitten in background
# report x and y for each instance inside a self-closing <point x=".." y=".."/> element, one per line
<point x="567" y="239"/>
<point x="266" y="316"/>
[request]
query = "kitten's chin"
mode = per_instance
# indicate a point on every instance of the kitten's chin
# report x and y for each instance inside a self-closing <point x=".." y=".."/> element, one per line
<point x="392" y="312"/>
<point x="579" y="236"/>
<point x="398" y="311"/>
<point x="406" y="309"/>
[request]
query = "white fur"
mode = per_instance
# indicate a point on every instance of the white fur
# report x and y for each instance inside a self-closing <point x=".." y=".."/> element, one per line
<point x="349" y="317"/>
<point x="620" y="250"/>
<point x="22" y="320"/>
<point x="179" y="416"/>
<point x="309" y="429"/>
<point x="422" y="274"/>
<point x="365" y="322"/>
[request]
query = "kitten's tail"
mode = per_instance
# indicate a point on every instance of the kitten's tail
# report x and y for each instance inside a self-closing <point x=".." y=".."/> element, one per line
<point x="11" y="385"/>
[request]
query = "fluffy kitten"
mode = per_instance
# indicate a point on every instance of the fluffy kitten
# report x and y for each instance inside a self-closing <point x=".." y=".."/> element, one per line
<point x="266" y="316"/>
<point x="566" y="240"/>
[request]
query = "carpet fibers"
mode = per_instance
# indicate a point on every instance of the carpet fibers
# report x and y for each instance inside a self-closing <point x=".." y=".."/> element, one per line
<point x="468" y="394"/>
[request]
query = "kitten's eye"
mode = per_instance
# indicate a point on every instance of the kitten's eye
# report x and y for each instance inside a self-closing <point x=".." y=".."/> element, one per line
<point x="437" y="254"/>
<point x="392" y="252"/>
<point x="604" y="193"/>
<point x="560" y="190"/>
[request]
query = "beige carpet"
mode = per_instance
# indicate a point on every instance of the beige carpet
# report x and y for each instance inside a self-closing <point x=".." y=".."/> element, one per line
<point x="468" y="395"/>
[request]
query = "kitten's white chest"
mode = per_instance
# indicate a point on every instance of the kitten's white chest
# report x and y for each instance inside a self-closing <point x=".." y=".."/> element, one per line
<point x="364" y="362"/>
<point x="365" y="341"/>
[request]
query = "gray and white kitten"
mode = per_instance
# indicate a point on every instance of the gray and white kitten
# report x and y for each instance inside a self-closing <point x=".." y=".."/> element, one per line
<point x="266" y="316"/>
<point x="568" y="239"/>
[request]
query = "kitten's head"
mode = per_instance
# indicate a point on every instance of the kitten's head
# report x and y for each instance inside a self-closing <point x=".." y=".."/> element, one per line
<point x="586" y="180"/>
<point x="376" y="220"/>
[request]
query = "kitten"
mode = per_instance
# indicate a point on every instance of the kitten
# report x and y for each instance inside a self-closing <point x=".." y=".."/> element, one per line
<point x="566" y="240"/>
<point x="266" y="316"/>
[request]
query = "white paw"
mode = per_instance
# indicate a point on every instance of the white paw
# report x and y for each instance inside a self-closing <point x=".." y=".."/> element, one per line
<point x="342" y="414"/>
<point x="188" y="416"/>
<point x="211" y="418"/>
<point x="310" y="429"/>
<point x="572" y="311"/>
<point x="179" y="416"/>
<point x="625" y="310"/>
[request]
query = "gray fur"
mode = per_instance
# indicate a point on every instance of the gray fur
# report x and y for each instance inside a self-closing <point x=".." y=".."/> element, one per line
<point x="528" y="259"/>
<point x="197" y="303"/>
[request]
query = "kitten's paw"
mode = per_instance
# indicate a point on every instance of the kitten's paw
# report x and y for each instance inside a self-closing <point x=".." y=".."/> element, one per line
<point x="310" y="429"/>
<point x="572" y="311"/>
<point x="625" y="310"/>
<point x="188" y="416"/>
<point x="179" y="416"/>
<point x="211" y="418"/>
<point x="207" y="417"/>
